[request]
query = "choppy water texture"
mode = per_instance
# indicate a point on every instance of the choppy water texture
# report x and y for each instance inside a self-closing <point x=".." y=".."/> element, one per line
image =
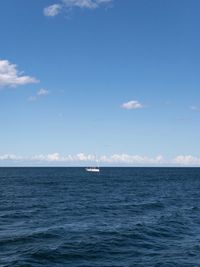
<point x="120" y="217"/>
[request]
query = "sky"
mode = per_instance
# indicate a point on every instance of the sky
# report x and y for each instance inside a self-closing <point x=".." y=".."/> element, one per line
<point x="113" y="80"/>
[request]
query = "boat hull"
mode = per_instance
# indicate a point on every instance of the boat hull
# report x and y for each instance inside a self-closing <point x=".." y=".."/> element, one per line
<point x="92" y="170"/>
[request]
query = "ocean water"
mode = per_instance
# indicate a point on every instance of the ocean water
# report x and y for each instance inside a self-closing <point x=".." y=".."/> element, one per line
<point x="120" y="217"/>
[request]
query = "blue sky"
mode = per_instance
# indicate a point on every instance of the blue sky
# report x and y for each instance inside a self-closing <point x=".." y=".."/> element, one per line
<point x="117" y="78"/>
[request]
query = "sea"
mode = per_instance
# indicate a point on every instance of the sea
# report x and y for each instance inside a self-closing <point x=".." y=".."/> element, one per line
<point x="121" y="217"/>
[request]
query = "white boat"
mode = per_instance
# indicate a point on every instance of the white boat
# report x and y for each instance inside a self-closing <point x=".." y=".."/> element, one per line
<point x="93" y="169"/>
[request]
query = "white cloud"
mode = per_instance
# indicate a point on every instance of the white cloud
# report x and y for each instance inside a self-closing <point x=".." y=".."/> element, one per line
<point x="187" y="160"/>
<point x="42" y="92"/>
<point x="53" y="157"/>
<point x="89" y="4"/>
<point x="132" y="159"/>
<point x="48" y="157"/>
<point x="81" y="3"/>
<point x="10" y="157"/>
<point x="52" y="10"/>
<point x="106" y="160"/>
<point x="11" y="77"/>
<point x="83" y="157"/>
<point x="133" y="104"/>
<point x="55" y="9"/>
<point x="121" y="159"/>
<point x="80" y="157"/>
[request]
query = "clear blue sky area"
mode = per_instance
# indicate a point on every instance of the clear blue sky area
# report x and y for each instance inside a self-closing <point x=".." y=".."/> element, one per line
<point x="83" y="65"/>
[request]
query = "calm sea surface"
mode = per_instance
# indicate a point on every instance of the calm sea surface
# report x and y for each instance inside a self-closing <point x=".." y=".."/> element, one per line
<point x="120" y="217"/>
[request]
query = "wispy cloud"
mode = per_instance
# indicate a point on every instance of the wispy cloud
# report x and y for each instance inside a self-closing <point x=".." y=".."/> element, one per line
<point x="82" y="159"/>
<point x="133" y="104"/>
<point x="40" y="93"/>
<point x="32" y="98"/>
<point x="187" y="160"/>
<point x="49" y="157"/>
<point x="10" y="157"/>
<point x="132" y="159"/>
<point x="43" y="92"/>
<point x="55" y="9"/>
<point x="194" y="108"/>
<point x="10" y="76"/>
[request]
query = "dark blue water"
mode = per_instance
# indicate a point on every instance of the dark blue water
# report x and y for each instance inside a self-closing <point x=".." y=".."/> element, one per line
<point x="120" y="217"/>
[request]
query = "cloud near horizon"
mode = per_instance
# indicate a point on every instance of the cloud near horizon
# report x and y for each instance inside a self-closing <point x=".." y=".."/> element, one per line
<point x="187" y="160"/>
<point x="115" y="160"/>
<point x="11" y="77"/>
<point x="55" y="9"/>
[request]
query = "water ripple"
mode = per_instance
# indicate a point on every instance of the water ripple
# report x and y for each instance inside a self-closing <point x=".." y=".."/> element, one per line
<point x="123" y="217"/>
